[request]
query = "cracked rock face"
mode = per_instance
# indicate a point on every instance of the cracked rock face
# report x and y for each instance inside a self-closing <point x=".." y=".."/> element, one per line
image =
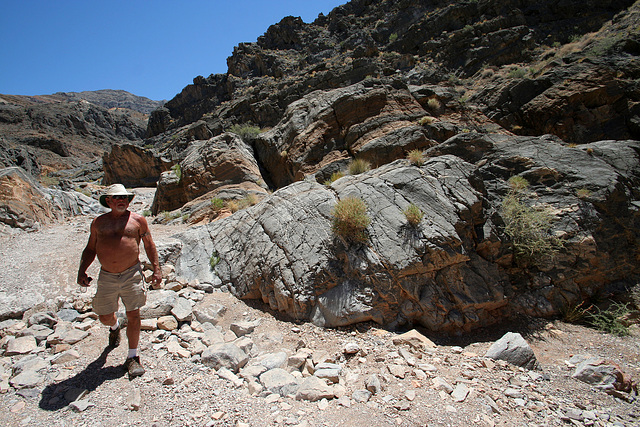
<point x="283" y="251"/>
<point x="453" y="271"/>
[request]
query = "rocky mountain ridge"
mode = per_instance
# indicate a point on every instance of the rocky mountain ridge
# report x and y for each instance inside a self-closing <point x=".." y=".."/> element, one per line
<point x="109" y="98"/>
<point x="69" y="131"/>
<point x="554" y="104"/>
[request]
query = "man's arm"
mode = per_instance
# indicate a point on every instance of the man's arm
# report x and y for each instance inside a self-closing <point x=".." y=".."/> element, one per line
<point x="87" y="257"/>
<point x="152" y="252"/>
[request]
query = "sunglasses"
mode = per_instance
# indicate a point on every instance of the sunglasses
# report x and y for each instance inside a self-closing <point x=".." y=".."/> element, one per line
<point x="120" y="197"/>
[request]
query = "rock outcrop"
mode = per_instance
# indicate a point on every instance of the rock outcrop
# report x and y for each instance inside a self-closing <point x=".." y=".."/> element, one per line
<point x="26" y="205"/>
<point x="209" y="167"/>
<point x="454" y="271"/>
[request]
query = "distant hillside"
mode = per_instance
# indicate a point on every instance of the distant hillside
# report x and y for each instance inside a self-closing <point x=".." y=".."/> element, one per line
<point x="49" y="133"/>
<point x="109" y="98"/>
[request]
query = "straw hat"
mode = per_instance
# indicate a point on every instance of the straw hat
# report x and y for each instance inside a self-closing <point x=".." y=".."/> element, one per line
<point x="115" y="190"/>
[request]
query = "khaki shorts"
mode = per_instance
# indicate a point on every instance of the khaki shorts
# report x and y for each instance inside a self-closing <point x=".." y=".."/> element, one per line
<point x="128" y="285"/>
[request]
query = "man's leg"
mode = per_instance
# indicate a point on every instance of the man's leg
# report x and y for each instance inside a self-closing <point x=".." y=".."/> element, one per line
<point x="108" y="319"/>
<point x="114" y="328"/>
<point x="133" y="328"/>
<point x="132" y="363"/>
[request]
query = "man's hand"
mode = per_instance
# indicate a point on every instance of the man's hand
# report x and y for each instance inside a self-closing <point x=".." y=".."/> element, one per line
<point x="83" y="279"/>
<point x="155" y="279"/>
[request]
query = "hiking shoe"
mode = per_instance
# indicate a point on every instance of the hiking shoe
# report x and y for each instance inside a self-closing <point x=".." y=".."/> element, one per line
<point x="133" y="367"/>
<point x="114" y="337"/>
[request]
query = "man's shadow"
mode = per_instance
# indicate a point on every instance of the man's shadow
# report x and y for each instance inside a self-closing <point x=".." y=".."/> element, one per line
<point x="53" y="395"/>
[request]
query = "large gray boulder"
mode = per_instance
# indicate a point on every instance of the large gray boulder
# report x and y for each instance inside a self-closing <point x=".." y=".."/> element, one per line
<point x="456" y="269"/>
<point x="513" y="349"/>
<point x="283" y="251"/>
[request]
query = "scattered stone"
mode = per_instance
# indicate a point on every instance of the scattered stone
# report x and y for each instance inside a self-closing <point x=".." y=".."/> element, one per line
<point x="174" y="347"/>
<point x="243" y="328"/>
<point x="298" y="360"/>
<point x="440" y="383"/>
<point x="149" y="324"/>
<point x="272" y="360"/>
<point x="209" y="314"/>
<point x="204" y="287"/>
<point x="313" y="389"/>
<point x="397" y="370"/>
<point x="182" y="310"/>
<point x="329" y="371"/>
<point x="26" y="379"/>
<point x="514" y="393"/>
<point x="41" y="318"/>
<point x="212" y="336"/>
<point x="65" y="357"/>
<point x="361" y="396"/>
<point x="39" y="332"/>
<point x="68" y="315"/>
<point x="414" y="339"/>
<point x="225" y="355"/>
<point x="18" y="407"/>
<point x="407" y="356"/>
<point x="226" y="374"/>
<point x="410" y="395"/>
<point x="460" y="392"/>
<point x="279" y="381"/>
<point x="134" y="399"/>
<point x="81" y="405"/>
<point x="167" y="323"/>
<point x="513" y="349"/>
<point x="86" y="324"/>
<point x="596" y="371"/>
<point x="218" y="415"/>
<point x="159" y="303"/>
<point x="272" y="398"/>
<point x="323" y="404"/>
<point x="372" y="384"/>
<point x="351" y="348"/>
<point x="252" y="371"/>
<point x="344" y="401"/>
<point x="21" y="345"/>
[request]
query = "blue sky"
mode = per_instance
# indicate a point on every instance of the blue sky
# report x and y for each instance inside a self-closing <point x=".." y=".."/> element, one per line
<point x="151" y="48"/>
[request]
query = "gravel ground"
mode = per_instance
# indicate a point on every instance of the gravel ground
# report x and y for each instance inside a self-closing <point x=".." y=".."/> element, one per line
<point x="179" y="391"/>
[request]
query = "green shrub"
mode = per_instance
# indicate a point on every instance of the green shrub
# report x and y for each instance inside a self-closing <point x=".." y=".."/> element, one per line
<point x="575" y="313"/>
<point x="518" y="183"/>
<point x="214" y="260"/>
<point x="233" y="206"/>
<point x="416" y="157"/>
<point x="609" y="320"/>
<point x="517" y="73"/>
<point x="217" y="204"/>
<point x="433" y="104"/>
<point x="413" y="214"/>
<point x="635" y="295"/>
<point x="245" y="131"/>
<point x="393" y="37"/>
<point x="583" y="193"/>
<point x="426" y="120"/>
<point x="177" y="170"/>
<point x="529" y="230"/>
<point x="359" y="166"/>
<point x="146" y="213"/>
<point x="167" y="216"/>
<point x="334" y="177"/>
<point x="49" y="181"/>
<point x="350" y="219"/>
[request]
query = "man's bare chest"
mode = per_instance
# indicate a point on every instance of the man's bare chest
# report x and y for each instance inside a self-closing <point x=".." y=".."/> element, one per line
<point x="118" y="229"/>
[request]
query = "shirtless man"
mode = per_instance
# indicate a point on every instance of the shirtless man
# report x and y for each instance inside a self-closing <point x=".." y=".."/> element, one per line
<point x="115" y="239"/>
